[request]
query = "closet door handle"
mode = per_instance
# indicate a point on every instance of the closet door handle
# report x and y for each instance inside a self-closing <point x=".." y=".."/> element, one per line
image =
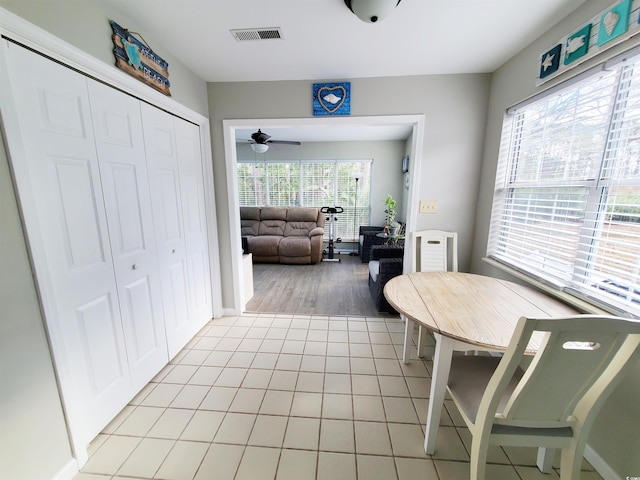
<point x="173" y="250"/>
<point x="134" y="266"/>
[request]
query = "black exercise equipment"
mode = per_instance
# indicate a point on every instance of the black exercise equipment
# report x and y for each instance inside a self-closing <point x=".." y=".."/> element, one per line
<point x="332" y="219"/>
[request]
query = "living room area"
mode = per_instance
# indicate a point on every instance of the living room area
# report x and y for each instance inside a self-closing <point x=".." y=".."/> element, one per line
<point x="348" y="174"/>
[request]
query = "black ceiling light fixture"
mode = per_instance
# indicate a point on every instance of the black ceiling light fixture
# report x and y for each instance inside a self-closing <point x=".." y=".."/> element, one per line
<point x="372" y="11"/>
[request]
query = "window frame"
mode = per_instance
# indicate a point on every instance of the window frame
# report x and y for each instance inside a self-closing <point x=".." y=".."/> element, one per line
<point x="598" y="189"/>
<point x="345" y="228"/>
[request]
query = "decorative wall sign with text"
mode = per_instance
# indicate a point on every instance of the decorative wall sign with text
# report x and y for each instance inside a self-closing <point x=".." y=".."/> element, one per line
<point x="615" y="24"/>
<point x="138" y="60"/>
<point x="331" y="98"/>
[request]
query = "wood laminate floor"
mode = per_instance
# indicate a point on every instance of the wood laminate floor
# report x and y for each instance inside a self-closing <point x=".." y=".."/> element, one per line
<point x="327" y="288"/>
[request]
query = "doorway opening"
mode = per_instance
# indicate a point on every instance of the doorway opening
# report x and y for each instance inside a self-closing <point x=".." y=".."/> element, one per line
<point x="332" y="129"/>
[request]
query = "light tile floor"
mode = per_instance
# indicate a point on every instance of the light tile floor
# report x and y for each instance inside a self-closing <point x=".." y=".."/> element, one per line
<point x="293" y="397"/>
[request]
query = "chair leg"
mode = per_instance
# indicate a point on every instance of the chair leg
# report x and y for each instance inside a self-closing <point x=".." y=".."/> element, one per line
<point x="408" y="333"/>
<point x="545" y="458"/>
<point x="571" y="458"/>
<point x="478" y="460"/>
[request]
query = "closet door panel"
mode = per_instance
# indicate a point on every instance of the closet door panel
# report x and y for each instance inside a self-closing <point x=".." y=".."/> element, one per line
<point x="170" y="235"/>
<point x="57" y="179"/>
<point x="174" y="160"/>
<point x="121" y="156"/>
<point x="159" y="136"/>
<point x="192" y="188"/>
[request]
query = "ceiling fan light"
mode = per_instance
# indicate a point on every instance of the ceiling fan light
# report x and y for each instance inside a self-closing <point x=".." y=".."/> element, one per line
<point x="372" y="11"/>
<point x="259" y="147"/>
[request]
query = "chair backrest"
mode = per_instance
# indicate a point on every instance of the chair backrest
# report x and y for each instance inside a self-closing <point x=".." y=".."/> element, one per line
<point x="579" y="362"/>
<point x="434" y="251"/>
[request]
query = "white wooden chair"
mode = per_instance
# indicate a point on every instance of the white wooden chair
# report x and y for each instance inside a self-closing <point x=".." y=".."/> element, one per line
<point x="553" y="403"/>
<point x="432" y="251"/>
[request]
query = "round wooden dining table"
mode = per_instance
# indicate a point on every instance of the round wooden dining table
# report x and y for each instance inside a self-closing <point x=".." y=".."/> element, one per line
<point x="465" y="312"/>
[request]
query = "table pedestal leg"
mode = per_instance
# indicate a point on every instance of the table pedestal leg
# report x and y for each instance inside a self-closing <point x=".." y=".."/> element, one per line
<point x="439" y="378"/>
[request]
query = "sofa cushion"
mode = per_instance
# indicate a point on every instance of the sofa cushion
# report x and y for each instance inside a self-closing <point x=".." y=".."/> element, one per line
<point x="298" y="229"/>
<point x="249" y="221"/>
<point x="250" y="213"/>
<point x="272" y="227"/>
<point x="264" y="245"/>
<point x="273" y="213"/>
<point x="302" y="214"/>
<point x="295" y="247"/>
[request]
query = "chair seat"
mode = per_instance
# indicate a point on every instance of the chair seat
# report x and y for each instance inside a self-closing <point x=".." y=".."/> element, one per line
<point x="468" y="380"/>
<point x="374" y="270"/>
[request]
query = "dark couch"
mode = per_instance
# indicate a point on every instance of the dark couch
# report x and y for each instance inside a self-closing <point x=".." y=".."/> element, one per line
<point x="386" y="263"/>
<point x="368" y="238"/>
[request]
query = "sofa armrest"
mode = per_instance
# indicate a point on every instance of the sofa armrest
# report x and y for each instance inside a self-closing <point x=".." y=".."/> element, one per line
<point x="316" y="231"/>
<point x="369" y="228"/>
<point x="389" y="268"/>
<point x="379" y="252"/>
<point x="369" y="237"/>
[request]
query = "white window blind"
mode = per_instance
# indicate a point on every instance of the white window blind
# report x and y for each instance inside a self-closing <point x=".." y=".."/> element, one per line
<point x="567" y="197"/>
<point x="319" y="184"/>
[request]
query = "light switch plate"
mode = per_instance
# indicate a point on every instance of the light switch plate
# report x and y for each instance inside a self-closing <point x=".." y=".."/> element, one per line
<point x="428" y="206"/>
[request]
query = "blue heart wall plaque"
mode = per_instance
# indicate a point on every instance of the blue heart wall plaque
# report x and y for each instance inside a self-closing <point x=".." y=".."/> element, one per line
<point x="331" y="99"/>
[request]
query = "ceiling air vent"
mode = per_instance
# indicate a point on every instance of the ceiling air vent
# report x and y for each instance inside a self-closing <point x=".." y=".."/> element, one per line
<point x="256" y="34"/>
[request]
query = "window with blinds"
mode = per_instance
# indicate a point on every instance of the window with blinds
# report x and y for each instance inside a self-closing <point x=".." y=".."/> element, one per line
<point x="567" y="198"/>
<point x="311" y="184"/>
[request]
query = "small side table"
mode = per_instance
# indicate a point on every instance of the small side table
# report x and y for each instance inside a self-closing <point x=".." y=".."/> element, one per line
<point x="388" y="237"/>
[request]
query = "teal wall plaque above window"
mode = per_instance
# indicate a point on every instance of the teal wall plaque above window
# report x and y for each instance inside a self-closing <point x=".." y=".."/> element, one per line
<point x="331" y="98"/>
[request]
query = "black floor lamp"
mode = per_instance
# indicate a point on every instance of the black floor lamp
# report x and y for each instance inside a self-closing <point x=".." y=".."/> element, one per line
<point x="357" y="176"/>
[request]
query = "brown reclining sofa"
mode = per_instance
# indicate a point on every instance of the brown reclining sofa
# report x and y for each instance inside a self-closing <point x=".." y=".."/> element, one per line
<point x="291" y="235"/>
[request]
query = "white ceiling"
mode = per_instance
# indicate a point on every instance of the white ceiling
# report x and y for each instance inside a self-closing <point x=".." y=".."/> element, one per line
<point x="323" y="40"/>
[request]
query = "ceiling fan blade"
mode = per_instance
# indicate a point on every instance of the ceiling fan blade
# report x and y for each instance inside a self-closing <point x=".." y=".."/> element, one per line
<point x="284" y="142"/>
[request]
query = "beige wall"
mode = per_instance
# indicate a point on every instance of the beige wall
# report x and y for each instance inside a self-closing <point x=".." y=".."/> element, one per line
<point x="615" y="436"/>
<point x="455" y="110"/>
<point x="85" y="25"/>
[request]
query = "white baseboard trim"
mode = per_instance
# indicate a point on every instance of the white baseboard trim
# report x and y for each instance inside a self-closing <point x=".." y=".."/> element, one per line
<point x="67" y="472"/>
<point x="599" y="464"/>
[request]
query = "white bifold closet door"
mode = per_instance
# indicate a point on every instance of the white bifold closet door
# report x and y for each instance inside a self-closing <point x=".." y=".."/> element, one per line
<point x="175" y="175"/>
<point x="112" y="197"/>
<point x="61" y="193"/>
<point x="117" y="124"/>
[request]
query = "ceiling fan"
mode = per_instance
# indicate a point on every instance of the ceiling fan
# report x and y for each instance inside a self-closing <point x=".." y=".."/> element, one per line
<point x="260" y="142"/>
